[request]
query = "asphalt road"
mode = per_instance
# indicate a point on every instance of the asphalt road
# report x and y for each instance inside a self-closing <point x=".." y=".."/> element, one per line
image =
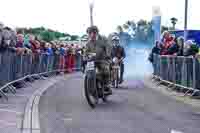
<point x="133" y="108"/>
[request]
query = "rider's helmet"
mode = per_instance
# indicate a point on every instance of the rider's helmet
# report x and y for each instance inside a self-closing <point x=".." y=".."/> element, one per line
<point x="92" y="29"/>
<point x="115" y="40"/>
<point x="93" y="33"/>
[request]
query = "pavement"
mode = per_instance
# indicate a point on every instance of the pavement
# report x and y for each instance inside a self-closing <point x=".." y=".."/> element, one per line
<point x="133" y="108"/>
<point x="12" y="112"/>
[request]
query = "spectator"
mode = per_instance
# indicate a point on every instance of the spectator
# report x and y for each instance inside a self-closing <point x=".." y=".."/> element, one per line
<point x="190" y="48"/>
<point x="180" y="42"/>
<point x="35" y="45"/>
<point x="73" y="53"/>
<point x="19" y="45"/>
<point x="1" y="37"/>
<point x="27" y="42"/>
<point x="5" y="43"/>
<point x="174" y="47"/>
<point x="62" y="57"/>
<point x="71" y="58"/>
<point x="49" y="53"/>
<point x="37" y="50"/>
<point x="155" y="50"/>
<point x="49" y="49"/>
<point x="83" y="59"/>
<point x="167" y="43"/>
<point x="54" y="48"/>
<point x="55" y="55"/>
<point x="42" y="47"/>
<point x="20" y="41"/>
<point x="165" y="35"/>
<point x="78" y="57"/>
<point x="62" y="50"/>
<point x="13" y="42"/>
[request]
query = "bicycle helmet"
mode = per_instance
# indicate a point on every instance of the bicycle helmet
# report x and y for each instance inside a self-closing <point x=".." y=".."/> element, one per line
<point x="115" y="38"/>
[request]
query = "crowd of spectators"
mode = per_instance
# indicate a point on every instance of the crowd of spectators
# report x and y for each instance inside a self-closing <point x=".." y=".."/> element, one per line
<point x="11" y="41"/>
<point x="174" y="46"/>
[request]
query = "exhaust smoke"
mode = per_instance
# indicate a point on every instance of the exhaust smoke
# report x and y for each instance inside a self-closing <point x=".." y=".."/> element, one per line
<point x="136" y="62"/>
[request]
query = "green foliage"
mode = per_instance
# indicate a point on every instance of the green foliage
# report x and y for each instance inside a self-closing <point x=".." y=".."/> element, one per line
<point x="195" y="48"/>
<point x="45" y="34"/>
<point x="142" y="29"/>
<point x="119" y="28"/>
<point x="164" y="28"/>
<point x="74" y="37"/>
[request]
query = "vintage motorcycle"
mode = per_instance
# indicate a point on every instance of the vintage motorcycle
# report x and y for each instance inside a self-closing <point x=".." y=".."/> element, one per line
<point x="115" y="71"/>
<point x="93" y="85"/>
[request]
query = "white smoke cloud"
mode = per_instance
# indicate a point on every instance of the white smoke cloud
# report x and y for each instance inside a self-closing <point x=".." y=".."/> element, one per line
<point x="136" y="62"/>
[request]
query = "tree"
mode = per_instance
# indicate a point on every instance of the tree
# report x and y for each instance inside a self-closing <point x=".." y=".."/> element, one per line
<point x="84" y="36"/>
<point x="164" y="28"/>
<point x="141" y="30"/>
<point x="119" y="28"/>
<point x="142" y="22"/>
<point x="174" y="21"/>
<point x="47" y="36"/>
<point x="132" y="25"/>
<point x="125" y="26"/>
<point x="74" y="37"/>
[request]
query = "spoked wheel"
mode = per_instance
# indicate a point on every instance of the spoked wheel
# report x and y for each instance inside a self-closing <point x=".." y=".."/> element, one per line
<point x="91" y="93"/>
<point x="117" y="79"/>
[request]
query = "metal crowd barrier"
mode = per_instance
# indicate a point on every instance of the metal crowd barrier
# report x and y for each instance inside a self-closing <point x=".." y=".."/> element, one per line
<point x="178" y="72"/>
<point x="18" y="67"/>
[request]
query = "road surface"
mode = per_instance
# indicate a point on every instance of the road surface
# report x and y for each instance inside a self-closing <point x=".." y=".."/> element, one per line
<point x="134" y="108"/>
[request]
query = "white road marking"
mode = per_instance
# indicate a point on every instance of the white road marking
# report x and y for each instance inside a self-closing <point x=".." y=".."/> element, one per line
<point x="175" y="131"/>
<point x="11" y="111"/>
<point x="7" y="123"/>
<point x="67" y="119"/>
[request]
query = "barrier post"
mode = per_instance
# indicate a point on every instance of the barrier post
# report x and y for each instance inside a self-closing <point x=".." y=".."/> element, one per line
<point x="168" y="70"/>
<point x="174" y="70"/>
<point x="194" y="73"/>
<point x="40" y="63"/>
<point x="160" y="67"/>
<point x="47" y="68"/>
<point x="154" y="63"/>
<point x="184" y="73"/>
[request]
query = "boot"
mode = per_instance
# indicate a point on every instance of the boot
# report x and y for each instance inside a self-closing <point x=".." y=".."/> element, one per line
<point x="121" y="80"/>
<point x="108" y="90"/>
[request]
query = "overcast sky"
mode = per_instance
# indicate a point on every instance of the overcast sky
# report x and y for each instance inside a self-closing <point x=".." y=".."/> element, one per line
<point x="72" y="16"/>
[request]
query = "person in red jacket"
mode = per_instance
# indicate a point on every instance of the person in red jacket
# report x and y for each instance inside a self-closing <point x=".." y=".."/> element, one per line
<point x="168" y="41"/>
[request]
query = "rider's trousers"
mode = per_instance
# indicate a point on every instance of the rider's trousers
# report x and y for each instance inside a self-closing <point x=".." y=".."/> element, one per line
<point x="121" y="71"/>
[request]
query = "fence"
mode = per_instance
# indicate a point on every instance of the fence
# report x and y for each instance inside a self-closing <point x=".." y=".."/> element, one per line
<point x="18" y="67"/>
<point x="177" y="71"/>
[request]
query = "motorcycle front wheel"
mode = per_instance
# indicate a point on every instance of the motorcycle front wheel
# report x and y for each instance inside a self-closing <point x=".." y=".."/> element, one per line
<point x="116" y="78"/>
<point x="90" y="92"/>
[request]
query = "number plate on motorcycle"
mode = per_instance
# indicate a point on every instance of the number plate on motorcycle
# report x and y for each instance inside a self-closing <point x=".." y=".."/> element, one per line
<point x="90" y="65"/>
<point x="116" y="67"/>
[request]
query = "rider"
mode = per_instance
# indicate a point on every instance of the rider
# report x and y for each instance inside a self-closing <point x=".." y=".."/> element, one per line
<point x="119" y="52"/>
<point x="99" y="45"/>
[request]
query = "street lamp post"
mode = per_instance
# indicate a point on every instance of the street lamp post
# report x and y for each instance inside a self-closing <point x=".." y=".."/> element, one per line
<point x="186" y="18"/>
<point x="91" y="6"/>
